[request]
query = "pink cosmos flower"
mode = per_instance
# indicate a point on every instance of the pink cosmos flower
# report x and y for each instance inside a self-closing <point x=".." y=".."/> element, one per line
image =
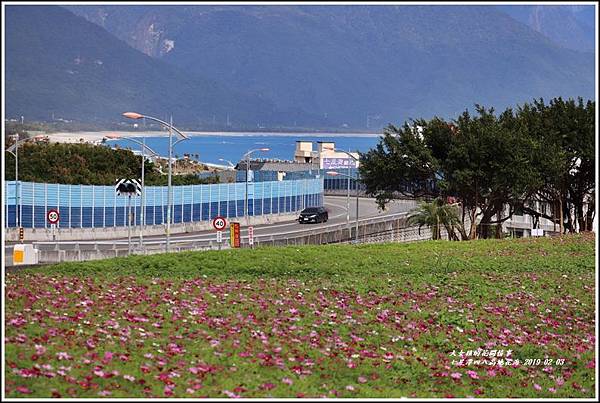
<point x="130" y="378"/>
<point x="39" y="349"/>
<point x="362" y="379"/>
<point x="473" y="374"/>
<point x="537" y="387"/>
<point x="23" y="389"/>
<point x="350" y="388"/>
<point x="107" y="357"/>
<point x="63" y="356"/>
<point x="231" y="394"/>
<point x="287" y="381"/>
<point x="456" y="375"/>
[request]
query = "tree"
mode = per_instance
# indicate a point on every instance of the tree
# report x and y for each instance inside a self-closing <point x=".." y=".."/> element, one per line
<point x="564" y="160"/>
<point x="436" y="215"/>
<point x="87" y="164"/>
<point x="487" y="168"/>
<point x="493" y="164"/>
<point x="401" y="163"/>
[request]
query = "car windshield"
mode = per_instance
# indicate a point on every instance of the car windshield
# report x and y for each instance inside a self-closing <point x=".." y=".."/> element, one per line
<point x="311" y="210"/>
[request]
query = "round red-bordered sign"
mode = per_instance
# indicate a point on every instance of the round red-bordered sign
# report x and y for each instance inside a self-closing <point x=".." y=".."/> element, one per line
<point x="53" y="216"/>
<point x="219" y="223"/>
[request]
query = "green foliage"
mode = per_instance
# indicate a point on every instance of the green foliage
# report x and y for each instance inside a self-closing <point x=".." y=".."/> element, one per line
<point x="346" y="263"/>
<point x="86" y="164"/>
<point x="538" y="153"/>
<point x="435" y="215"/>
<point x="395" y="312"/>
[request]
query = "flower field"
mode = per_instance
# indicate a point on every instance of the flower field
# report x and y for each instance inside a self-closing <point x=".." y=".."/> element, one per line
<point x="334" y="321"/>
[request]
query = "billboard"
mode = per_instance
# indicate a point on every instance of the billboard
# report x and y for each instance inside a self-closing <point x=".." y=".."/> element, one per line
<point x="337" y="163"/>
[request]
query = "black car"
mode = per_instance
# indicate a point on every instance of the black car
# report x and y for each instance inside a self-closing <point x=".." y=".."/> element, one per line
<point x="313" y="214"/>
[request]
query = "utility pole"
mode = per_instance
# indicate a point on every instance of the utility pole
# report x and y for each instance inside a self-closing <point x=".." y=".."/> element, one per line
<point x="169" y="187"/>
<point x="247" y="178"/>
<point x="17" y="184"/>
<point x="143" y="198"/>
<point x="129" y="224"/>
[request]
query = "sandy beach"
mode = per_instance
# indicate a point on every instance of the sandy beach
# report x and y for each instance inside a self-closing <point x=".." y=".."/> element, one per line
<point x="96" y="137"/>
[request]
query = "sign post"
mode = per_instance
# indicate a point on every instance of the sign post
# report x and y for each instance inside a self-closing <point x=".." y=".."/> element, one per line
<point x="234" y="234"/>
<point x="53" y="217"/>
<point x="251" y="236"/>
<point x="219" y="223"/>
<point x="129" y="224"/>
<point x="219" y="238"/>
<point x="128" y="187"/>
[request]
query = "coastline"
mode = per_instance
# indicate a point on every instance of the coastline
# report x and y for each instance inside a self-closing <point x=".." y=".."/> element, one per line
<point x="96" y="137"/>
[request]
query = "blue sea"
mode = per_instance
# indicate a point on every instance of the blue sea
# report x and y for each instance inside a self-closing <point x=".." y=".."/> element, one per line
<point x="232" y="146"/>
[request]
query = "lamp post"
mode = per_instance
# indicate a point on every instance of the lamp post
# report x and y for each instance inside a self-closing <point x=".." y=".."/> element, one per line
<point x="231" y="165"/>
<point x="336" y="173"/>
<point x="135" y="115"/>
<point x="349" y="177"/>
<point x="14" y="150"/>
<point x="247" y="157"/>
<point x="143" y="201"/>
<point x="16" y="155"/>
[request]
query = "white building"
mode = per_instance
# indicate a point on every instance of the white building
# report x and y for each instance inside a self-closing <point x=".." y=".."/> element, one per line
<point x="324" y="156"/>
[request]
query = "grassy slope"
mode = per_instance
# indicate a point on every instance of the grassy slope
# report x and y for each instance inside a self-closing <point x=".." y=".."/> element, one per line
<point x="266" y="311"/>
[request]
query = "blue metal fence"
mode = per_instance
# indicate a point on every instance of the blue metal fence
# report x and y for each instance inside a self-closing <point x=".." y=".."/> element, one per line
<point x="84" y="206"/>
<point x="330" y="182"/>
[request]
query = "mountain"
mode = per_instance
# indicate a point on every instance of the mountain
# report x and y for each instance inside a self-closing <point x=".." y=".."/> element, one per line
<point x="322" y="66"/>
<point x="569" y="26"/>
<point x="59" y="64"/>
<point x="358" y="64"/>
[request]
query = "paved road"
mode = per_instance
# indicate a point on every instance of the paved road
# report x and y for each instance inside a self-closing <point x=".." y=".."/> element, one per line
<point x="336" y="206"/>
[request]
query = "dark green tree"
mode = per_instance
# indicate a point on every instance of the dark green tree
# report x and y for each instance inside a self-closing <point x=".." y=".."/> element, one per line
<point x="491" y="164"/>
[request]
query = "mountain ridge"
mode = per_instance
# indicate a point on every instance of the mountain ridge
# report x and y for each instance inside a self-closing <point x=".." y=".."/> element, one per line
<point x="347" y="66"/>
<point x="59" y="63"/>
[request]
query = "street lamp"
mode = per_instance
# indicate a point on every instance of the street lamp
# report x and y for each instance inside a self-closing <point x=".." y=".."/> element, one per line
<point x="135" y="115"/>
<point x="143" y="201"/>
<point x="349" y="177"/>
<point x="231" y="165"/>
<point x="247" y="157"/>
<point x="336" y="173"/>
<point x="14" y="150"/>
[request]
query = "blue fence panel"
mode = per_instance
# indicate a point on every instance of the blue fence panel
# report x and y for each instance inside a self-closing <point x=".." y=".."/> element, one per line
<point x="82" y="206"/>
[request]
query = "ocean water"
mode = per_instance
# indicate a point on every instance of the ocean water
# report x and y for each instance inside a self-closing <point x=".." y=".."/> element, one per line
<point x="231" y="147"/>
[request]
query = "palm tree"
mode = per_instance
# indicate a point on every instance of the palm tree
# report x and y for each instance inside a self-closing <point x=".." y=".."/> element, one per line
<point x="435" y="215"/>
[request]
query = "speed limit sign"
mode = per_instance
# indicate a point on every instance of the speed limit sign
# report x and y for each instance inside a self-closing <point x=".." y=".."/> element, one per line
<point x="219" y="223"/>
<point x="53" y="216"/>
